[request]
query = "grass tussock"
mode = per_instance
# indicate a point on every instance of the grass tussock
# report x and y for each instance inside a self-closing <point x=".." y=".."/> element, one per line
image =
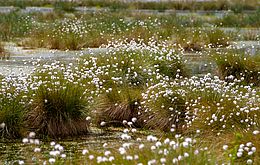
<point x="14" y="25"/>
<point x="58" y="110"/>
<point x="197" y="39"/>
<point x="215" y="109"/>
<point x="12" y="110"/>
<point x="12" y="114"/>
<point x="118" y="106"/>
<point x="163" y="108"/>
<point x="239" y="67"/>
<point x="125" y="71"/>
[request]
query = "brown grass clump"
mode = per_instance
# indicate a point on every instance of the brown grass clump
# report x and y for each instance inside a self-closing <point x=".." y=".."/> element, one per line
<point x="114" y="107"/>
<point x="240" y="67"/>
<point x="58" y="112"/>
<point x="166" y="112"/>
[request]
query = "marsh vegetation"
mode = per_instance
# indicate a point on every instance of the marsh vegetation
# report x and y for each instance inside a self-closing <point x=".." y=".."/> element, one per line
<point x="138" y="91"/>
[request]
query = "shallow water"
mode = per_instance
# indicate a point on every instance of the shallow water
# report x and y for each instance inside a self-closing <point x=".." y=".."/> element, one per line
<point x="11" y="152"/>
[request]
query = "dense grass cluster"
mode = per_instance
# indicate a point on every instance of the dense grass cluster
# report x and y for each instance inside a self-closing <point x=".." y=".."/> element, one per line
<point x="57" y="30"/>
<point x="138" y="89"/>
<point x="133" y="85"/>
<point x="239" y="67"/>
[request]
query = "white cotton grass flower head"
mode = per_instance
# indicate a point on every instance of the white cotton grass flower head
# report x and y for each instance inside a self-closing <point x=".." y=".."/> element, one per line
<point x="158" y="144"/>
<point x="167" y="141"/>
<point x="256" y="132"/>
<point x="186" y="155"/>
<point x="37" y="149"/>
<point x="225" y="147"/>
<point x="126" y="145"/>
<point x="102" y="123"/>
<point x="32" y="135"/>
<point x="163" y="160"/>
<point x="239" y="154"/>
<point x="133" y="130"/>
<point x="105" y="145"/>
<point x="175" y="160"/>
<point x="52" y="160"/>
<point x="134" y="119"/>
<point x="20" y="162"/>
<point x="129" y="157"/>
<point x="150" y="162"/>
<point x="25" y="140"/>
<point x="107" y="153"/>
<point x="36" y="141"/>
<point x="85" y="151"/>
<point x="249" y="161"/>
<point x="2" y="125"/>
<point x="126" y="130"/>
<point x="91" y="157"/>
<point x="54" y="153"/>
<point x="122" y="150"/>
<point x="88" y="118"/>
<point x="125" y="136"/>
<point x="111" y="158"/>
<point x="141" y="146"/>
<point x="151" y="138"/>
<point x="63" y="155"/>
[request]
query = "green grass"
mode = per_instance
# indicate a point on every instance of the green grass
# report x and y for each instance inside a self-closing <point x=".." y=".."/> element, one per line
<point x="14" y="25"/>
<point x="197" y="38"/>
<point x="240" y="20"/>
<point x="12" y="110"/>
<point x="218" y="38"/>
<point x="58" y="109"/>
<point x="244" y="68"/>
<point x="78" y="31"/>
<point x="166" y="112"/>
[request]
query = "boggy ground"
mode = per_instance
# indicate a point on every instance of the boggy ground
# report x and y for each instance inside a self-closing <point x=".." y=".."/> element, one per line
<point x="139" y="100"/>
<point x="140" y="87"/>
